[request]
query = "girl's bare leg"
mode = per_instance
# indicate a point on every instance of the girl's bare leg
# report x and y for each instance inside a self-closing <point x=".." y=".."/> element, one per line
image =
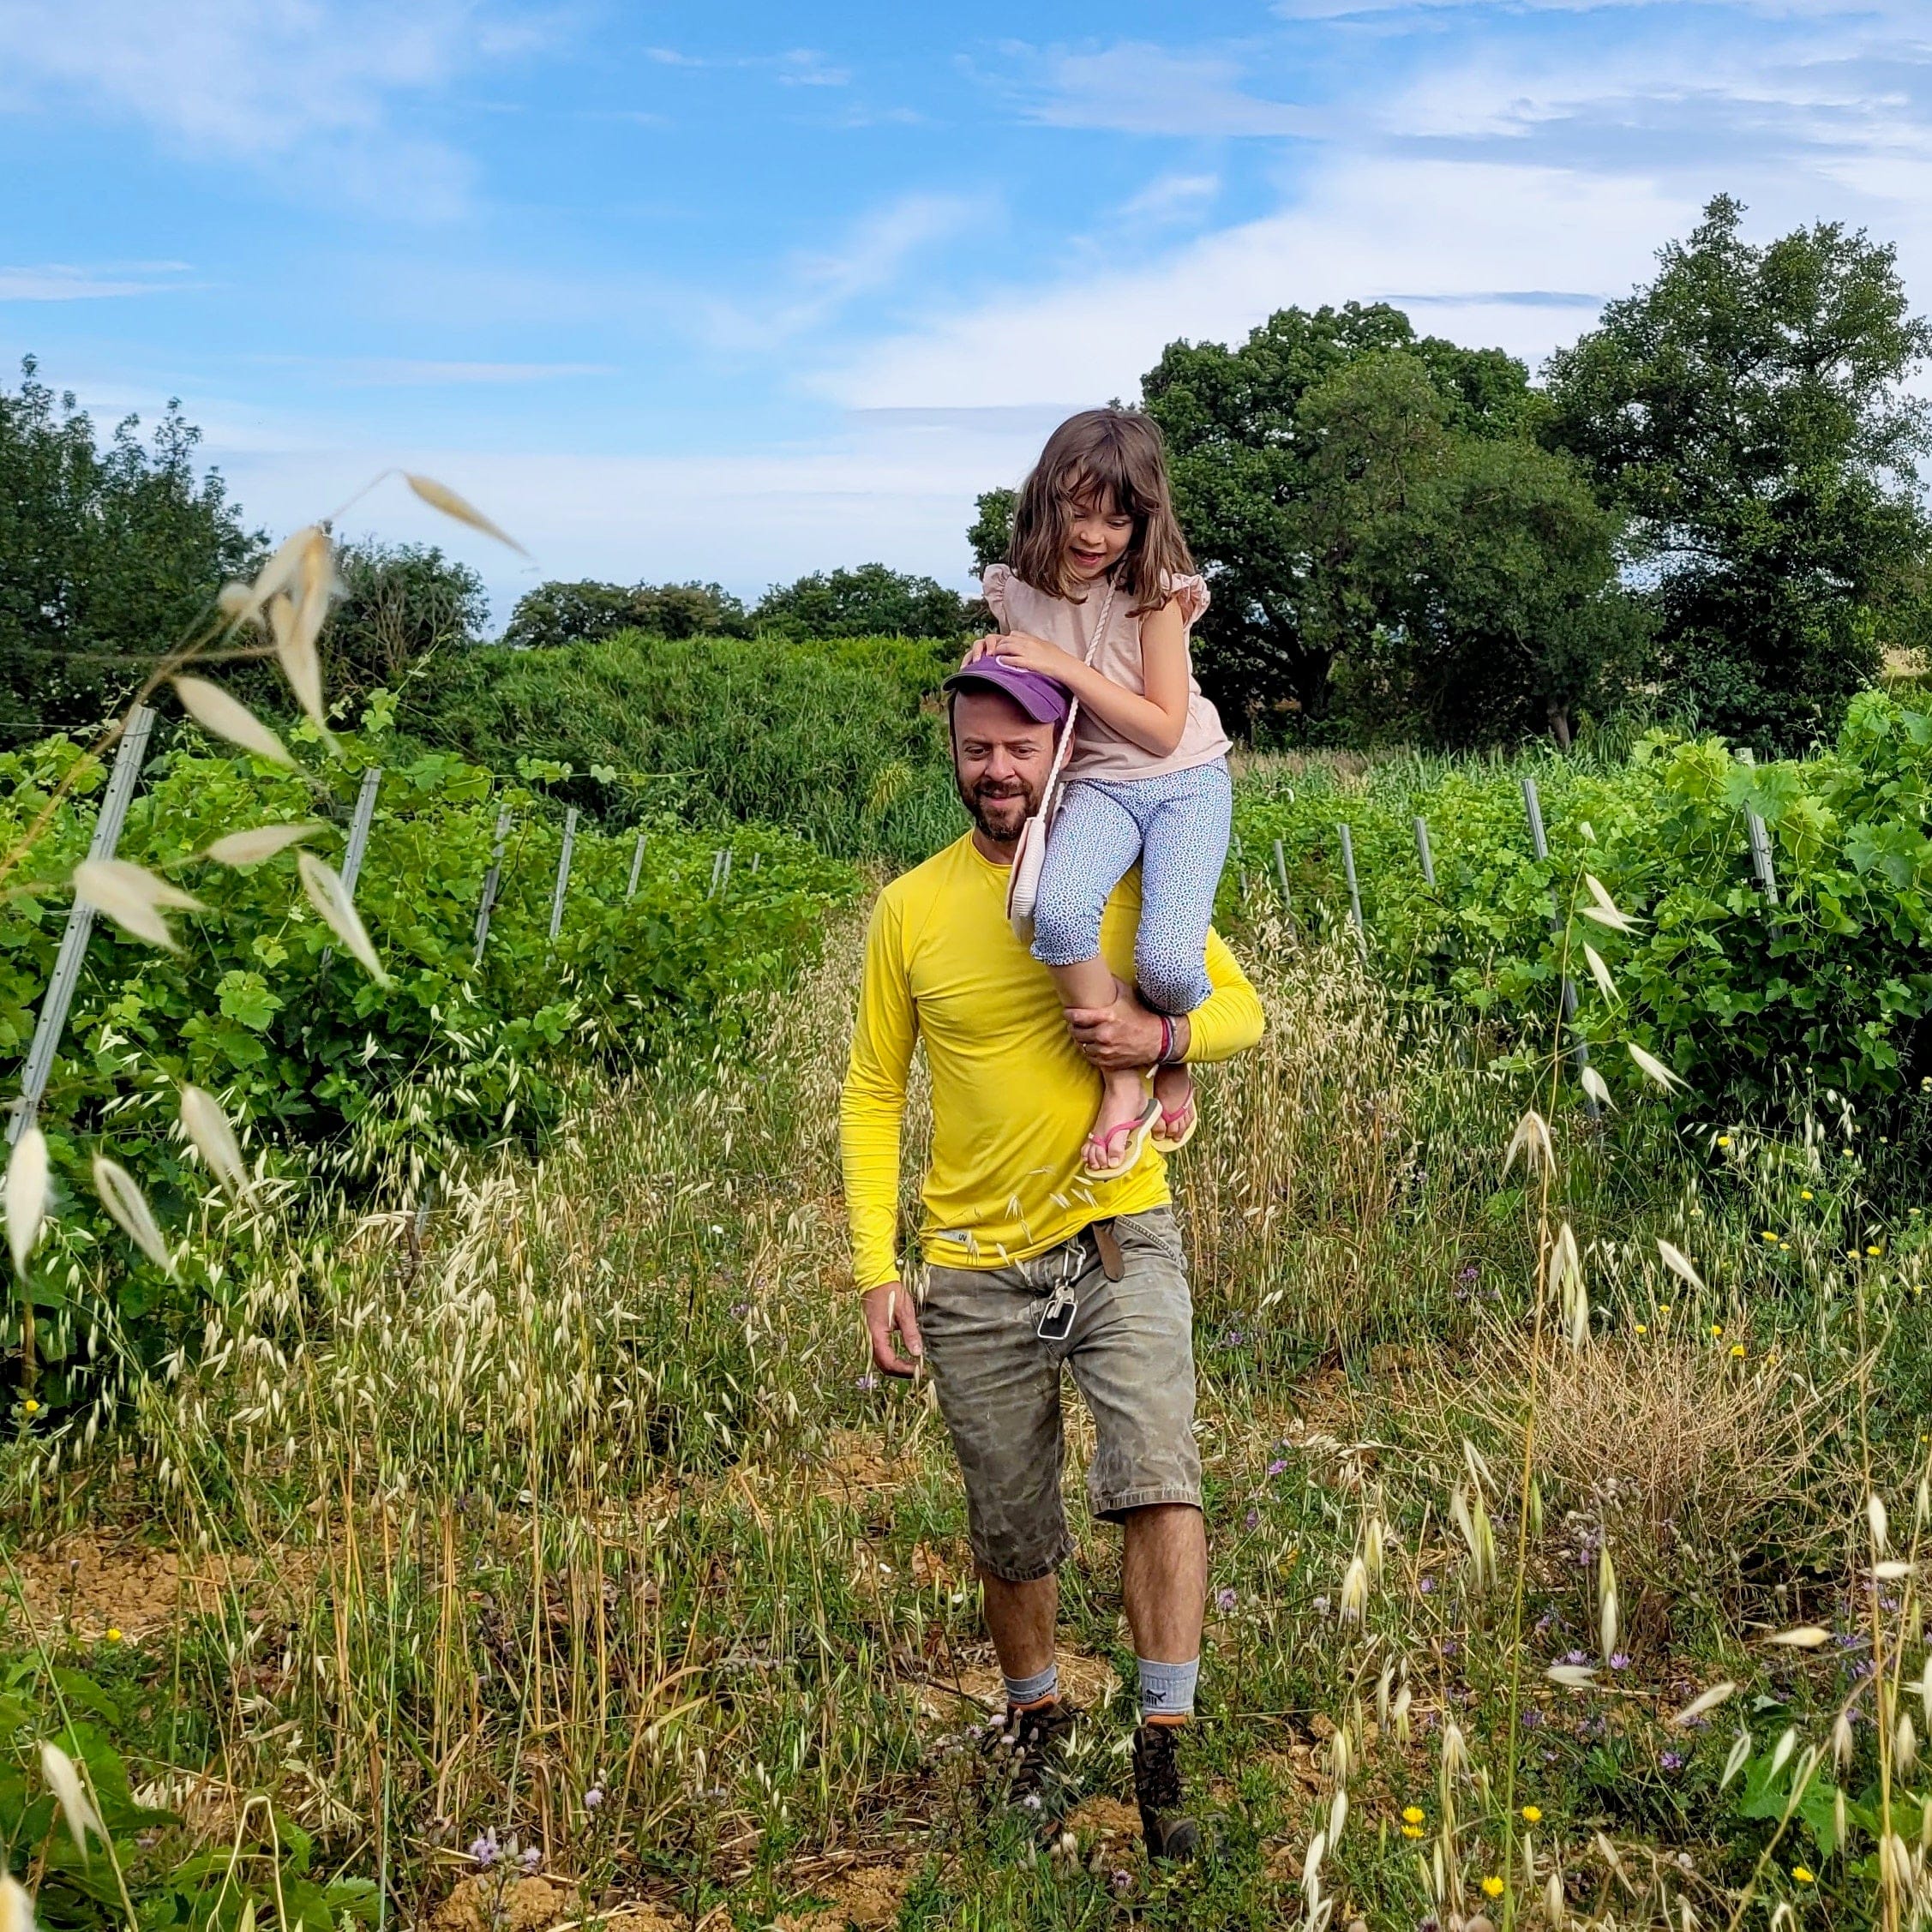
<point x="1174" y="1087"/>
<point x="1124" y="1092"/>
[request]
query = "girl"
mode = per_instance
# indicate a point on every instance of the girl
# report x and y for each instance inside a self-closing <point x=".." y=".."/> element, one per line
<point x="1099" y="593"/>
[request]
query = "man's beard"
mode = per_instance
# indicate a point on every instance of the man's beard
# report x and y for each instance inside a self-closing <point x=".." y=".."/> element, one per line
<point x="1000" y="811"/>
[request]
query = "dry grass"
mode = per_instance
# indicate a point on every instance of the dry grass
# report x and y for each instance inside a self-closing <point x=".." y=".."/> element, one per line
<point x="1310" y="1199"/>
<point x="1683" y="1456"/>
<point x="588" y="1493"/>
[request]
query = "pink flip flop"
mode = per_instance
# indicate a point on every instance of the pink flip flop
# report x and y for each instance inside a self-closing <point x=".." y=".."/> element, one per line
<point x="1165" y="1139"/>
<point x="1136" y="1130"/>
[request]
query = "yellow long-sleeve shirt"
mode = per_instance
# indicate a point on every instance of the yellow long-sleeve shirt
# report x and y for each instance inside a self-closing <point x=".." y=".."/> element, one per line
<point x="1012" y="1097"/>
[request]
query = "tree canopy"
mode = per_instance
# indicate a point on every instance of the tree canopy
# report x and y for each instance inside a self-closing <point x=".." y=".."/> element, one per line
<point x="583" y="612"/>
<point x="107" y="554"/>
<point x="401" y="604"/>
<point x="1747" y="410"/>
<point x="1356" y="492"/>
<point x="871" y="601"/>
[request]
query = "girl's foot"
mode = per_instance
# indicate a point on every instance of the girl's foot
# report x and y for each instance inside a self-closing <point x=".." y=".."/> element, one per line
<point x="1127" y="1115"/>
<point x="1174" y="1087"/>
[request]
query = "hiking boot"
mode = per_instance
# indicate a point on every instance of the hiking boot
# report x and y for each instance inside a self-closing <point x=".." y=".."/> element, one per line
<point x="1168" y="1831"/>
<point x="1027" y="1749"/>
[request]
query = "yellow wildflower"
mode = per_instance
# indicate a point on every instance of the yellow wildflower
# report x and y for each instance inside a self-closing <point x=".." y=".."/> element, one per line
<point x="1412" y="1814"/>
<point x="113" y="1634"/>
<point x="1532" y="1815"/>
<point x="1874" y="1249"/>
<point x="1736" y="1348"/>
<point x="1802" y="1875"/>
<point x="1492" y="1886"/>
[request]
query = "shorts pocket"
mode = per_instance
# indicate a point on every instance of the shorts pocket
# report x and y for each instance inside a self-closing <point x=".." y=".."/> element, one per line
<point x="1154" y="1229"/>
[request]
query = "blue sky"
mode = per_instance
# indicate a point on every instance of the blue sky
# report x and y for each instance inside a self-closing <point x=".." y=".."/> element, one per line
<point x="739" y="291"/>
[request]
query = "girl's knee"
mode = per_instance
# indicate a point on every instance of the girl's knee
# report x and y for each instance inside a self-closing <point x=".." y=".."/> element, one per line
<point x="1066" y="931"/>
<point x="1171" y="982"/>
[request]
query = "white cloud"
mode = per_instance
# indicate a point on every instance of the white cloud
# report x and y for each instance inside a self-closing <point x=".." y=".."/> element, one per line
<point x="57" y="281"/>
<point x="1138" y="88"/>
<point x="306" y="91"/>
<point x="1171" y="197"/>
<point x="1379" y="12"/>
<point x="884" y="489"/>
<point x="1500" y="193"/>
<point x="797" y="67"/>
<point x="815" y="287"/>
<point x="1477" y="240"/>
<point x="403" y="372"/>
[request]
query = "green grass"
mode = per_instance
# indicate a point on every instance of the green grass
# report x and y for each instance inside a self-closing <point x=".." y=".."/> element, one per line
<point x="597" y="1495"/>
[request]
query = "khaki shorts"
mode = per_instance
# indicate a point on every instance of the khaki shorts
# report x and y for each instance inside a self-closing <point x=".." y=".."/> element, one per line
<point x="1131" y="1353"/>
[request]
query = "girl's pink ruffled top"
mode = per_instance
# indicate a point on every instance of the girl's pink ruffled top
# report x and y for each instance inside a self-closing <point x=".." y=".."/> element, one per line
<point x="1100" y="751"/>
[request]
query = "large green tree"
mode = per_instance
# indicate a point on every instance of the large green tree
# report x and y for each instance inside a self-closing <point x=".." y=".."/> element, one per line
<point x="871" y="601"/>
<point x="1747" y="410"/>
<point x="402" y="604"/>
<point x="1502" y="613"/>
<point x="1272" y="511"/>
<point x="560" y="613"/>
<point x="108" y="555"/>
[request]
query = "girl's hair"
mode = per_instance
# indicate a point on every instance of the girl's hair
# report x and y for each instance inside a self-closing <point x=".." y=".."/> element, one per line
<point x="1100" y="456"/>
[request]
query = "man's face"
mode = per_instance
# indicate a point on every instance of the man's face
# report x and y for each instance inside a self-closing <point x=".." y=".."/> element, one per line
<point x="1000" y="758"/>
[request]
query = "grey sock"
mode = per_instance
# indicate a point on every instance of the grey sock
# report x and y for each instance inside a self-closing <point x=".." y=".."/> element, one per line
<point x="1166" y="1690"/>
<point x="1030" y="1690"/>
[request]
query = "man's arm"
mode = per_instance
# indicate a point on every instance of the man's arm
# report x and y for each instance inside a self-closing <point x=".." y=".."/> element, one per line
<point x="1126" y="1035"/>
<point x="1229" y="1020"/>
<point x="871" y="1113"/>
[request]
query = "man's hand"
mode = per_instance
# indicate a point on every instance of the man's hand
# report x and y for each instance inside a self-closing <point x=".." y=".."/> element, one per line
<point x="1122" y="1035"/>
<point x="889" y="1320"/>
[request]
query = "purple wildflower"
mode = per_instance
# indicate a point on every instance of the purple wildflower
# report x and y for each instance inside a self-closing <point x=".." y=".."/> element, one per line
<point x="1672" y="1760"/>
<point x="1427" y="1586"/>
<point x="1225" y="1601"/>
<point x="1531" y="1719"/>
<point x="532" y="1857"/>
<point x="1576" y="1657"/>
<point x="593" y="1797"/>
<point x="484" y="1850"/>
<point x="866" y="1384"/>
<point x="1252" y="1520"/>
<point x="1122" y="1882"/>
<point x="1619" y="1659"/>
<point x="1277" y="1466"/>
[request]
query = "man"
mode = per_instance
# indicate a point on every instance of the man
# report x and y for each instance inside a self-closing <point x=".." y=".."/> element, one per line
<point x="1030" y="1268"/>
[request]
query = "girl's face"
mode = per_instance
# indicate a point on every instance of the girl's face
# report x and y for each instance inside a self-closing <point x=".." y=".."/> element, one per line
<point x="1097" y="538"/>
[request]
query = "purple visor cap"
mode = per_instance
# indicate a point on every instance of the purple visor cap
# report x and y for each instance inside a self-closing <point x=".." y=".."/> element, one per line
<point x="1044" y="700"/>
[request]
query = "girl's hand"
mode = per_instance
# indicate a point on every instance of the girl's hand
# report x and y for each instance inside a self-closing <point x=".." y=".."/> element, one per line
<point x="981" y="647"/>
<point x="1031" y="654"/>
